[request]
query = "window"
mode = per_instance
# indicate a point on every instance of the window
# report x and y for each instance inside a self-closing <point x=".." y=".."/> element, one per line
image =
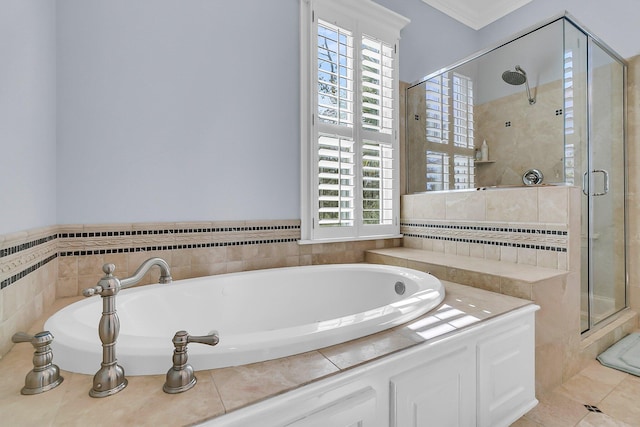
<point x="349" y="107"/>
<point x="450" y="142"/>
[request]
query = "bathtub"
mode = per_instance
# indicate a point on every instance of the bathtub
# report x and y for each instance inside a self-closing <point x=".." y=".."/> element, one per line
<point x="259" y="315"/>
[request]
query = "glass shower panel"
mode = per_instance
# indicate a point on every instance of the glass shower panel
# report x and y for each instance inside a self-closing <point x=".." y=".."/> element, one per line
<point x="576" y="157"/>
<point x="605" y="184"/>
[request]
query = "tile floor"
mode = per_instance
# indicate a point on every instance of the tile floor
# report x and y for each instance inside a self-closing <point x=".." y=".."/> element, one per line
<point x="597" y="396"/>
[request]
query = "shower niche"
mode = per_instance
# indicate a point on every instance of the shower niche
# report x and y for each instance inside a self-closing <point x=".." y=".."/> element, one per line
<point x="550" y="100"/>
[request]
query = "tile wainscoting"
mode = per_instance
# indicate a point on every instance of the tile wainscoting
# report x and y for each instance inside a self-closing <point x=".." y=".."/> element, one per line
<point x="40" y="265"/>
<point x="522" y="225"/>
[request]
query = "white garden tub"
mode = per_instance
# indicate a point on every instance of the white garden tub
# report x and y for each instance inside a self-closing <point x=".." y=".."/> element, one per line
<point x="259" y="315"/>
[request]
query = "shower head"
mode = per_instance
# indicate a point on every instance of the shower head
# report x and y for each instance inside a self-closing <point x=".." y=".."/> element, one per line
<point x="517" y="78"/>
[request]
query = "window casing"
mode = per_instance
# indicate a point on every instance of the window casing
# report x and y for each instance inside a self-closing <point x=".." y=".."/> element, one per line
<point x="349" y="120"/>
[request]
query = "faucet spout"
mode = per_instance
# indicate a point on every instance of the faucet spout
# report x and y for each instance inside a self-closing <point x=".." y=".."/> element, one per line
<point x="165" y="272"/>
<point x="110" y="378"/>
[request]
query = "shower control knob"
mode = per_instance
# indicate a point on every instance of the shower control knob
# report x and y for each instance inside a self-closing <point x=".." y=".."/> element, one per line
<point x="532" y="177"/>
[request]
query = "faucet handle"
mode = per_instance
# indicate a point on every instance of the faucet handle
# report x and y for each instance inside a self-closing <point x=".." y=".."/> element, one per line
<point x="19" y="337"/>
<point x="45" y="375"/>
<point x="212" y="339"/>
<point x="39" y="340"/>
<point x="182" y="338"/>
<point x="87" y="292"/>
<point x="181" y="377"/>
<point x="108" y="269"/>
<point x="108" y="285"/>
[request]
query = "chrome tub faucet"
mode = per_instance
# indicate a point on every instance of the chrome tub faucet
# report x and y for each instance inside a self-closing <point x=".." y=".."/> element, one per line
<point x="110" y="377"/>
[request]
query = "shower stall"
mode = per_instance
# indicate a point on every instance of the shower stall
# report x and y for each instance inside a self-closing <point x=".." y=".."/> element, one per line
<point x="563" y="118"/>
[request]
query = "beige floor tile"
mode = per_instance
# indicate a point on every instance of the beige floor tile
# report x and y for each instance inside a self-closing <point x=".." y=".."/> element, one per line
<point x="595" y="419"/>
<point x="598" y="372"/>
<point x="525" y="422"/>
<point x="557" y="410"/>
<point x="623" y="403"/>
<point x="585" y="390"/>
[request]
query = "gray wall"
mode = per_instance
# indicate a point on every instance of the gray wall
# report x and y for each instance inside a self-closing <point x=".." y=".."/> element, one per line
<point x="27" y="115"/>
<point x="432" y="39"/>
<point x="177" y="110"/>
<point x="613" y="21"/>
<point x="188" y="110"/>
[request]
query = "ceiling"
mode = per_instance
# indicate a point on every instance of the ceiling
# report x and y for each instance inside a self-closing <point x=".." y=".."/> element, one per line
<point x="476" y="13"/>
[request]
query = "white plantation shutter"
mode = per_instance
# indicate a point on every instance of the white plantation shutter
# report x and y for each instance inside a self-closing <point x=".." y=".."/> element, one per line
<point x="335" y="75"/>
<point x="450" y="141"/>
<point x="377" y="85"/>
<point x="437" y="97"/>
<point x="437" y="171"/>
<point x="462" y="111"/>
<point x="349" y="120"/>
<point x="336" y="181"/>
<point x="336" y="170"/>
<point x="377" y="152"/>
<point x="569" y="147"/>
<point x="377" y="183"/>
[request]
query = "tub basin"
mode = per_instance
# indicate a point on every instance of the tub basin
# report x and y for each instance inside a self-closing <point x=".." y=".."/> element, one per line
<point x="259" y="315"/>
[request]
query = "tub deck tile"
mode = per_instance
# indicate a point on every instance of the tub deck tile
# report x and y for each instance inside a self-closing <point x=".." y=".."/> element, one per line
<point x="141" y="403"/>
<point x="243" y="385"/>
<point x="362" y="350"/>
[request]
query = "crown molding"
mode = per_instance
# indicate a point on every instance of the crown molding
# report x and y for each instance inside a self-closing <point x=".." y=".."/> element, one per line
<point x="476" y="13"/>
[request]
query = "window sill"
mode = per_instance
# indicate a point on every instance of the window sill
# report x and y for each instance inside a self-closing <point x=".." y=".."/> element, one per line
<point x="350" y="239"/>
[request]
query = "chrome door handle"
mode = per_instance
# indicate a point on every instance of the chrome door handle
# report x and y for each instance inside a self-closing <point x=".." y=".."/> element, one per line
<point x="606" y="181"/>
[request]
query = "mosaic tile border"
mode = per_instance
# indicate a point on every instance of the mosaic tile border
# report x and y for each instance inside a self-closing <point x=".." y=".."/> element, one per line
<point x="487" y="228"/>
<point x="19" y="260"/>
<point x="12" y="250"/>
<point x="23" y="273"/>
<point x="169" y="237"/>
<point x="175" y="231"/>
<point x="521" y="236"/>
<point x="174" y="247"/>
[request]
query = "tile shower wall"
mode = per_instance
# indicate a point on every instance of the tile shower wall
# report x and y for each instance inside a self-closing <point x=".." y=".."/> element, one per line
<point x="38" y="266"/>
<point x="528" y="225"/>
<point x="514" y="145"/>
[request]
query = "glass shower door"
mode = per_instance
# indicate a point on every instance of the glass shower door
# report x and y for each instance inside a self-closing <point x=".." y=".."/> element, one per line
<point x="604" y="185"/>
